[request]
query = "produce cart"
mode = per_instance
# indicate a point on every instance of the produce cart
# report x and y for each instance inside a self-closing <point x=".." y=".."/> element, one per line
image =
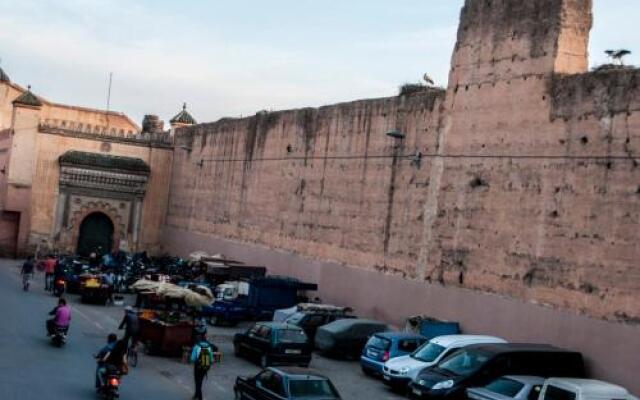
<point x="164" y="333"/>
<point x="168" y="329"/>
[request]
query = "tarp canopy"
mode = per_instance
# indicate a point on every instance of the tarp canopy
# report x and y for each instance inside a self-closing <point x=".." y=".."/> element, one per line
<point x="199" y="297"/>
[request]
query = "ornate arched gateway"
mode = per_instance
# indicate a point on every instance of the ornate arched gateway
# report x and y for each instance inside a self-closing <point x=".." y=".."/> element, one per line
<point x="100" y="202"/>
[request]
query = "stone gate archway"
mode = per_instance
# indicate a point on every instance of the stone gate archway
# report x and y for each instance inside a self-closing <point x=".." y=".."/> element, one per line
<point x="95" y="234"/>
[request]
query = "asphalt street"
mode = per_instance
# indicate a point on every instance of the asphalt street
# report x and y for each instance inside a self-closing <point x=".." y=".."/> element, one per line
<point x="31" y="368"/>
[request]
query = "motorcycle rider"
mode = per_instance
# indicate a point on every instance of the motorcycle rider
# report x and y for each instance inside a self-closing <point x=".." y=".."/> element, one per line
<point x="61" y="319"/>
<point x="27" y="272"/>
<point x="102" y="356"/>
<point x="115" y="359"/>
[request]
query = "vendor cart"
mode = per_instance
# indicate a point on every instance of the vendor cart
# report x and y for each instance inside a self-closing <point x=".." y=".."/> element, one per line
<point x="162" y="336"/>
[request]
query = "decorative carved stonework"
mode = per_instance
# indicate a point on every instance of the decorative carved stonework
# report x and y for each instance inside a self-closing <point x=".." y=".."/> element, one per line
<point x="92" y="182"/>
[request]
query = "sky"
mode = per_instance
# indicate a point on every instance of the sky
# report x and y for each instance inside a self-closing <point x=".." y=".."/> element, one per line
<point x="228" y="58"/>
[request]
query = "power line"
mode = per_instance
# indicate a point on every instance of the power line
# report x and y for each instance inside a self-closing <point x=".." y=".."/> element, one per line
<point x="429" y="155"/>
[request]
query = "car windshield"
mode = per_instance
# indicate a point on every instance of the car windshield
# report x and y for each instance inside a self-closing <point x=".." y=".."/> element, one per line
<point x="291" y="336"/>
<point x="505" y="386"/>
<point x="428" y="353"/>
<point x="464" y="363"/>
<point x="295" y="318"/>
<point x="311" y="388"/>
<point x="379" y="343"/>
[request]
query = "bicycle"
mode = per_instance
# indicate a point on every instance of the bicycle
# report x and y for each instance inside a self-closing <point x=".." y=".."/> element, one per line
<point x="132" y="354"/>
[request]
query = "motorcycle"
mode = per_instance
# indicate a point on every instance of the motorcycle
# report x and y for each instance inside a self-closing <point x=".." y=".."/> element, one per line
<point x="59" y="337"/>
<point x="110" y="390"/>
<point x="59" y="286"/>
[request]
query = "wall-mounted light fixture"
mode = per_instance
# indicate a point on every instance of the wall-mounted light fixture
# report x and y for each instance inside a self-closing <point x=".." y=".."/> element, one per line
<point x="396" y="134"/>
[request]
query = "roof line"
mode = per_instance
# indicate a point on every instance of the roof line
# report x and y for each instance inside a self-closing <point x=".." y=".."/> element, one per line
<point x="79" y="108"/>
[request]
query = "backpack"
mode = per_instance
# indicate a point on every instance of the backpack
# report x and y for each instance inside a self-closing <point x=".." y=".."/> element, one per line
<point x="204" y="358"/>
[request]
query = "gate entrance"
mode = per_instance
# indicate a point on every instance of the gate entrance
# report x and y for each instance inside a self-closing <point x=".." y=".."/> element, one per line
<point x="96" y="234"/>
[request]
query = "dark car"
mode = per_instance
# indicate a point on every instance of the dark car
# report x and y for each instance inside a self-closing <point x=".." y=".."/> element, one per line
<point x="478" y="365"/>
<point x="347" y="337"/>
<point x="274" y="343"/>
<point x="310" y="321"/>
<point x="384" y="346"/>
<point x="285" y="383"/>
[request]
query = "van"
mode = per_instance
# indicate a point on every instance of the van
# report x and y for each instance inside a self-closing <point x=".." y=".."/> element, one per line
<point x="398" y="372"/>
<point x="480" y="364"/>
<point x="582" y="389"/>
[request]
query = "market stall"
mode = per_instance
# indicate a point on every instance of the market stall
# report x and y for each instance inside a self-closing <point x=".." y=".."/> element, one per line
<point x="168" y="328"/>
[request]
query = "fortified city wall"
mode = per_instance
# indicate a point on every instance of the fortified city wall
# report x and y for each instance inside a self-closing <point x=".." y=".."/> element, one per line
<point x="521" y="219"/>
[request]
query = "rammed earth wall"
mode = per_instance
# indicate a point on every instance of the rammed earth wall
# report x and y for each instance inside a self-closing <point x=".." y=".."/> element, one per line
<point x="526" y="200"/>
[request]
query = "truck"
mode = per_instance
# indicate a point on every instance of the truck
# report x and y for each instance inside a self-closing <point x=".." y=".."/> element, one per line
<point x="265" y="295"/>
<point x="231" y="290"/>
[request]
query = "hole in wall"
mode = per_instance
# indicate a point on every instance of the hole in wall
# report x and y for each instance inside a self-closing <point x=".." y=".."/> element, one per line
<point x="584" y="140"/>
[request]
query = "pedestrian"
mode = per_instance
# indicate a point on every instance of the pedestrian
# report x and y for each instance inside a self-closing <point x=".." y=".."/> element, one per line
<point x="202" y="359"/>
<point x="49" y="268"/>
<point x="27" y="272"/>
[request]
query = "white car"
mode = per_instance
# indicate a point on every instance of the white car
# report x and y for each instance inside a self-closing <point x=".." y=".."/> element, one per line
<point x="398" y="372"/>
<point x="582" y="389"/>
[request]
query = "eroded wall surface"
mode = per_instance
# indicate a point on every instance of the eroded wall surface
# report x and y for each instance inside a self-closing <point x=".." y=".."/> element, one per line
<point x="529" y="184"/>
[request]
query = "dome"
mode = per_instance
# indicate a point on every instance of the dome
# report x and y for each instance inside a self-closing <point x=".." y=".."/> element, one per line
<point x="184" y="117"/>
<point x="4" y="77"/>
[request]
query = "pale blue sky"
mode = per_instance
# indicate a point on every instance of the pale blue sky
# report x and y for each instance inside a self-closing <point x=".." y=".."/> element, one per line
<point x="227" y="58"/>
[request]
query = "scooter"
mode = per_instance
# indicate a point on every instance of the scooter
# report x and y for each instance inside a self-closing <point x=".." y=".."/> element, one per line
<point x="111" y="388"/>
<point x="59" y="337"/>
<point x="59" y="286"/>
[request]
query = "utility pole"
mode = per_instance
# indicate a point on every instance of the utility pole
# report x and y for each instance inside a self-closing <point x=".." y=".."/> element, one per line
<point x="109" y="98"/>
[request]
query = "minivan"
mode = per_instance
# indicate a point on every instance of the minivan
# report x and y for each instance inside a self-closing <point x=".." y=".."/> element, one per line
<point x="480" y="364"/>
<point x="398" y="372"/>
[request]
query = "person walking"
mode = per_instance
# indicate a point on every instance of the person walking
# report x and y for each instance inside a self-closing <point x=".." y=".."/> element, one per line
<point x="27" y="272"/>
<point x="49" y="268"/>
<point x="202" y="359"/>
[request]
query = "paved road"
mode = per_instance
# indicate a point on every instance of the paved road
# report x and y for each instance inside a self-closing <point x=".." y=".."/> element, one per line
<point x="30" y="368"/>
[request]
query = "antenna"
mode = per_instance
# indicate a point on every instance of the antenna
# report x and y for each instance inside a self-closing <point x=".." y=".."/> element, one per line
<point x="109" y="98"/>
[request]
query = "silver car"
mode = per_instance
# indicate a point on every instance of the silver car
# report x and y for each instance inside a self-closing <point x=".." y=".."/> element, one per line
<point x="509" y="388"/>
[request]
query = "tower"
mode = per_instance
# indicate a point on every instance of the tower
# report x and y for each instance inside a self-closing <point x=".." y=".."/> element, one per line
<point x="506" y="39"/>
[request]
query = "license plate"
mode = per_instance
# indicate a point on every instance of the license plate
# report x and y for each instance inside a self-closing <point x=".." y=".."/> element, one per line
<point x="292" y="351"/>
<point x="386" y="377"/>
<point x="417" y="392"/>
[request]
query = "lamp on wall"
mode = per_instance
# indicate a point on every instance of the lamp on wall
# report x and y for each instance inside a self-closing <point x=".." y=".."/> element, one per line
<point x="396" y="134"/>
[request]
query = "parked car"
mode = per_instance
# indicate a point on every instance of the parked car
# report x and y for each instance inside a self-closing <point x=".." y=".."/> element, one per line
<point x="274" y="343"/>
<point x="512" y="387"/>
<point x="478" y="365"/>
<point x="385" y="346"/>
<point x="399" y="372"/>
<point x="347" y="337"/>
<point x="285" y="383"/>
<point x="582" y="389"/>
<point x="310" y="318"/>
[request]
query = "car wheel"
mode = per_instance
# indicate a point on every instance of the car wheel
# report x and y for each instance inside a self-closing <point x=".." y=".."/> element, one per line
<point x="264" y="361"/>
<point x="237" y="351"/>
